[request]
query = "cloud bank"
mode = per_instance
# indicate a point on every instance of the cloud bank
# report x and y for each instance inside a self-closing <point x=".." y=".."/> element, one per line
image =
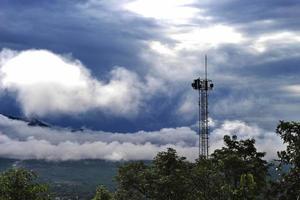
<point x="18" y="140"/>
<point x="47" y="83"/>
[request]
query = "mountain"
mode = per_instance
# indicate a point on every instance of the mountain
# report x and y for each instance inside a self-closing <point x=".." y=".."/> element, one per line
<point x="29" y="121"/>
<point x="69" y="179"/>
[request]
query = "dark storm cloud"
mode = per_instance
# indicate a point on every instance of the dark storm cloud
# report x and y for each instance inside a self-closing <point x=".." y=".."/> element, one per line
<point x="256" y="16"/>
<point x="250" y="86"/>
<point x="102" y="41"/>
<point x="278" y="60"/>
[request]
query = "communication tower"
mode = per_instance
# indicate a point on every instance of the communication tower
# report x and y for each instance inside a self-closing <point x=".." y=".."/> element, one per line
<point x="203" y="86"/>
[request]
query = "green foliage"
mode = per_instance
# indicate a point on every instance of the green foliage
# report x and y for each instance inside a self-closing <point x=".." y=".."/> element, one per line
<point x="170" y="176"/>
<point x="131" y="181"/>
<point x="239" y="160"/>
<point x="247" y="189"/>
<point x="290" y="133"/>
<point x="288" y="186"/>
<point x="208" y="181"/>
<point x="21" y="184"/>
<point x="237" y="171"/>
<point x="102" y="194"/>
<point x="167" y="178"/>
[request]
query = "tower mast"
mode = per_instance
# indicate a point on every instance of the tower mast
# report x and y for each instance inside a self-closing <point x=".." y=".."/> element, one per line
<point x="203" y="86"/>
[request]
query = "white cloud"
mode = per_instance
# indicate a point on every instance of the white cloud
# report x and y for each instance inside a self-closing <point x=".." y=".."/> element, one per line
<point x="180" y="60"/>
<point x="17" y="140"/>
<point x="160" y="48"/>
<point x="293" y="90"/>
<point x="179" y="11"/>
<point x="267" y="41"/>
<point x="206" y="37"/>
<point x="42" y="149"/>
<point x="19" y="129"/>
<point x="49" y="83"/>
<point x="188" y="106"/>
<point x="265" y="141"/>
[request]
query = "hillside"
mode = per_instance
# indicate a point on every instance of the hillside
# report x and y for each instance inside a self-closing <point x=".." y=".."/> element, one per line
<point x="69" y="178"/>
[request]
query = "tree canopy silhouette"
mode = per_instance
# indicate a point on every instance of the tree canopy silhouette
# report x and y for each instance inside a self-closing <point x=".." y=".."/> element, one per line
<point x="21" y="184"/>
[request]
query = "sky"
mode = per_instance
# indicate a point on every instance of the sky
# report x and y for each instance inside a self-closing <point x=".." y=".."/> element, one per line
<point x="122" y="71"/>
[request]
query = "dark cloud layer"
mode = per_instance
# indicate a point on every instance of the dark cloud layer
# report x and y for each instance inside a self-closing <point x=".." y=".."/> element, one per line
<point x="101" y="41"/>
<point x="250" y="74"/>
<point x="253" y="16"/>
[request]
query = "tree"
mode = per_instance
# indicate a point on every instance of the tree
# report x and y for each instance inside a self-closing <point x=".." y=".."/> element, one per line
<point x="239" y="162"/>
<point x="247" y="187"/>
<point x="207" y="181"/>
<point x="21" y="184"/>
<point x="237" y="171"/>
<point x="171" y="177"/>
<point x="290" y="133"/>
<point x="102" y="194"/>
<point x="132" y="180"/>
<point x="288" y="186"/>
<point x="168" y="177"/>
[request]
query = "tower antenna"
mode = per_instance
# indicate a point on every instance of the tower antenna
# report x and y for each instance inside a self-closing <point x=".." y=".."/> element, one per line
<point x="205" y="67"/>
<point x="203" y="86"/>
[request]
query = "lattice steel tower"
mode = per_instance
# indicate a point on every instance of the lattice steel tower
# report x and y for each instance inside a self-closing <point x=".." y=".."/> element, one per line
<point x="203" y="86"/>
